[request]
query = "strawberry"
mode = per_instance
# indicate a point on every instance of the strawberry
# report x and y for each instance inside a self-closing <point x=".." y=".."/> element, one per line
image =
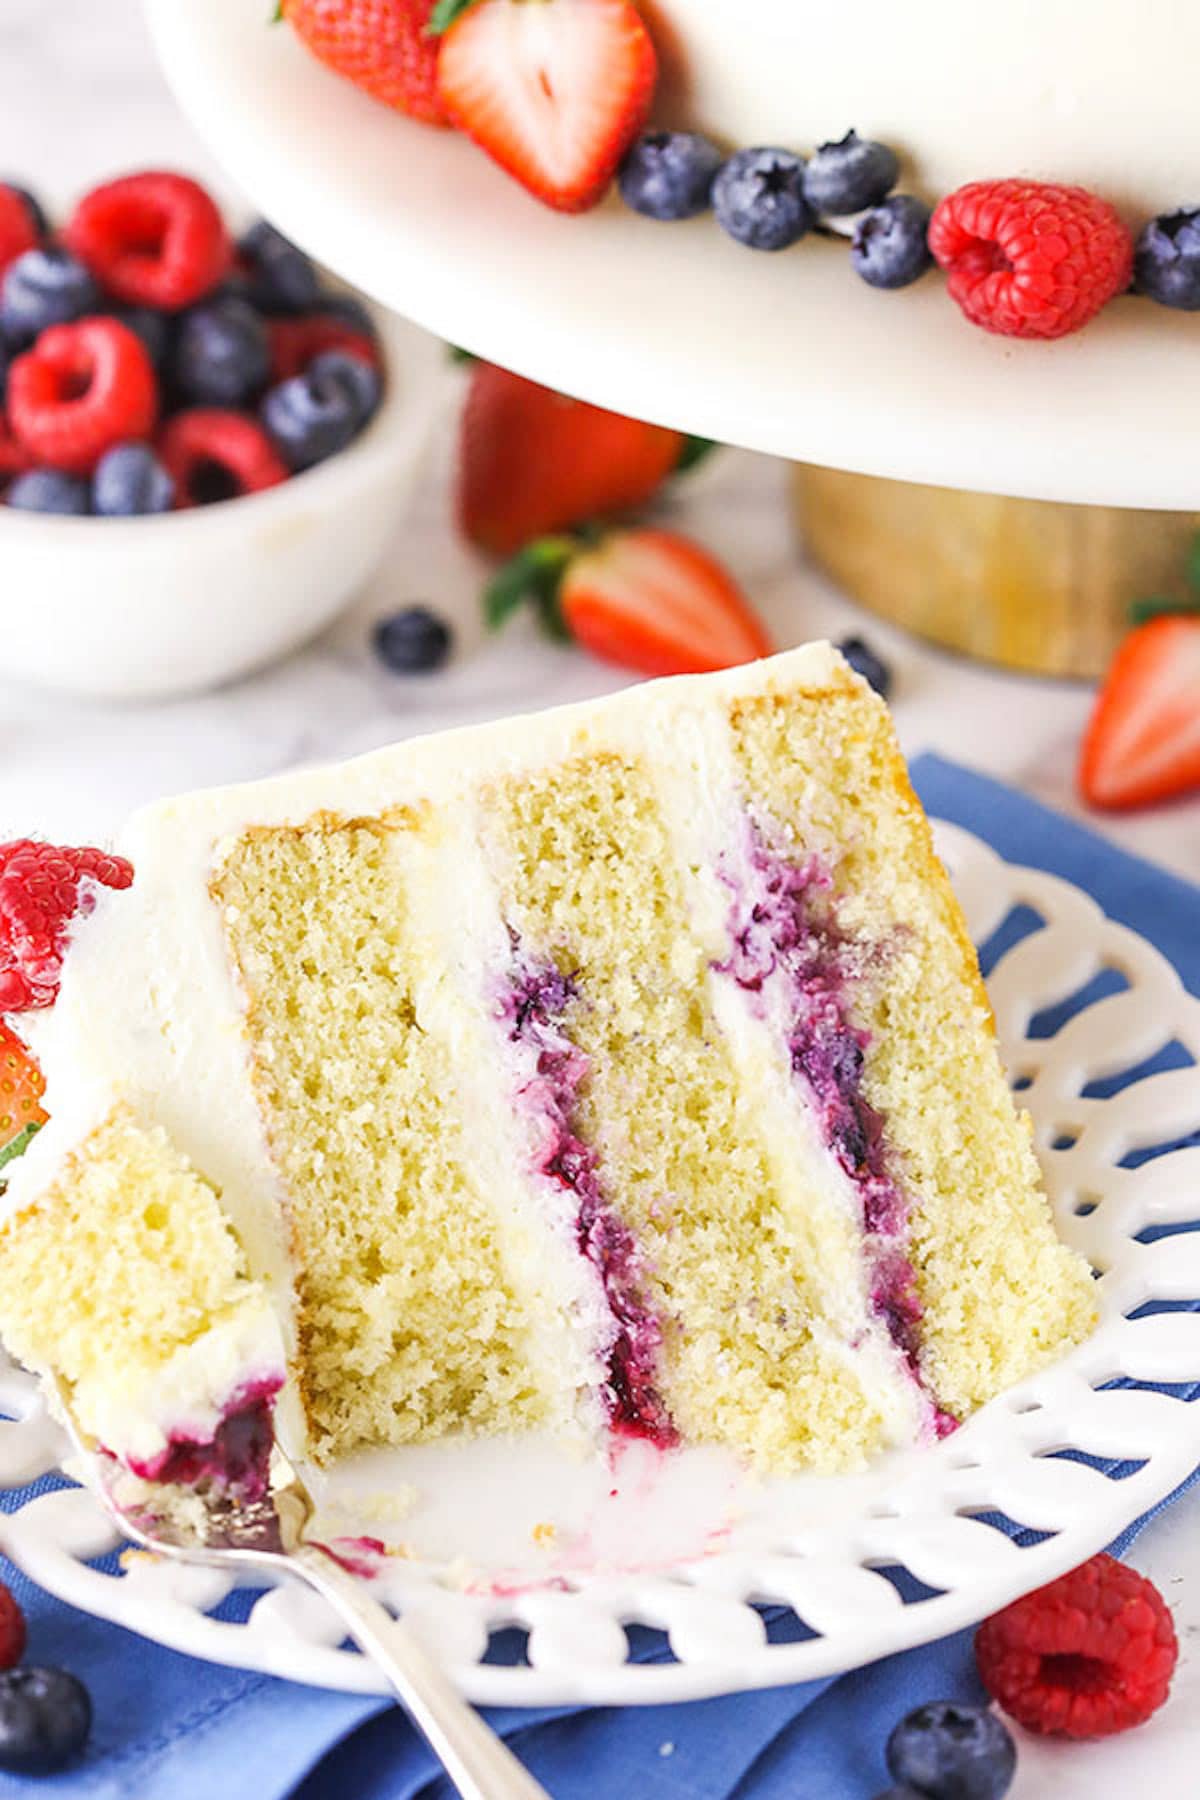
<point x="649" y="600"/>
<point x="555" y="92"/>
<point x="1143" y="741"/>
<point x="21" y="1088"/>
<point x="532" y="461"/>
<point x="379" y="45"/>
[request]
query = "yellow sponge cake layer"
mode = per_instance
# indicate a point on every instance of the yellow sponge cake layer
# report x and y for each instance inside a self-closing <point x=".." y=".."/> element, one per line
<point x="125" y="1279"/>
<point x="999" y="1293"/>
<point x="747" y="1277"/>
<point x="412" y="1320"/>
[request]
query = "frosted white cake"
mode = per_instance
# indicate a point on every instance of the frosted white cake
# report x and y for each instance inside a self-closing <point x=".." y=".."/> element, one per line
<point x="1099" y="94"/>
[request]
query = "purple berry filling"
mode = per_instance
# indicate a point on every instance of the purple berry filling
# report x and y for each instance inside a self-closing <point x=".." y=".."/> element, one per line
<point x="235" y="1460"/>
<point x="785" y="935"/>
<point x="533" y="1004"/>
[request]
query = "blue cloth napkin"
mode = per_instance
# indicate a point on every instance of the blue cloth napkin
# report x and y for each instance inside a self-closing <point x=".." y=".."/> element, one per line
<point x="170" y="1727"/>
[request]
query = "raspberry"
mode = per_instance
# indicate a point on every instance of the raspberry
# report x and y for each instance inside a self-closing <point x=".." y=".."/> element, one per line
<point x="42" y="888"/>
<point x="214" y="455"/>
<point x="17" y="232"/>
<point x="1091" y="1654"/>
<point x="154" y="239"/>
<point x="294" y="343"/>
<point x="80" y="390"/>
<point x="13" y="459"/>
<point x="12" y="1630"/>
<point x="1028" y="259"/>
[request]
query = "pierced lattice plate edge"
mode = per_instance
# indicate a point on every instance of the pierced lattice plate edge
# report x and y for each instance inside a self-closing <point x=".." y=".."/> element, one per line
<point x="1003" y="1461"/>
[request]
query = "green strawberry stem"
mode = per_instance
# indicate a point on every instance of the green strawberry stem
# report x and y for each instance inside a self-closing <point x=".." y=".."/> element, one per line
<point x="443" y="16"/>
<point x="17" y="1147"/>
<point x="1160" y="606"/>
<point x="1193" y="562"/>
<point x="695" y="451"/>
<point x="534" y="575"/>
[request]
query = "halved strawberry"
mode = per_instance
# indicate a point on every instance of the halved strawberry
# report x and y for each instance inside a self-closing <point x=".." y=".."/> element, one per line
<point x="1143" y="741"/>
<point x="554" y="90"/>
<point x="649" y="600"/>
<point x="22" y="1085"/>
<point x="532" y="461"/>
<point x="379" y="45"/>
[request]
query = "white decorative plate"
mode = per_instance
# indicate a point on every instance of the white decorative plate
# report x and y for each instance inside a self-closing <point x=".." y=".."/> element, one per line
<point x="789" y="354"/>
<point x="712" y="1562"/>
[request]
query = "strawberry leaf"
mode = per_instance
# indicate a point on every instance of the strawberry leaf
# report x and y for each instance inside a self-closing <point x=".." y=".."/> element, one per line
<point x="1160" y="606"/>
<point x="18" y="1146"/>
<point x="277" y="13"/>
<point x="533" y="575"/>
<point x="457" y="354"/>
<point x="695" y="451"/>
<point x="443" y="16"/>
<point x="1193" y="562"/>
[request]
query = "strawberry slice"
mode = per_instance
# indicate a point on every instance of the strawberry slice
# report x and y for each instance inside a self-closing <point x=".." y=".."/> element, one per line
<point x="554" y="90"/>
<point x="532" y="461"/>
<point x="649" y="600"/>
<point x="1143" y="741"/>
<point x="21" y="1088"/>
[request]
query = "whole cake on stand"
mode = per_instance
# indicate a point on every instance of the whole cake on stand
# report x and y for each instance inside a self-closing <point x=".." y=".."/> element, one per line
<point x="791" y="353"/>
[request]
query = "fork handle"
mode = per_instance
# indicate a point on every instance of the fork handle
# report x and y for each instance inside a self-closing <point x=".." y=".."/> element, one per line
<point x="480" y="1764"/>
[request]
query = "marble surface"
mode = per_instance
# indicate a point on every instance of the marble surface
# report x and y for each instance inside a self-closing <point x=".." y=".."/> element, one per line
<point x="80" y="97"/>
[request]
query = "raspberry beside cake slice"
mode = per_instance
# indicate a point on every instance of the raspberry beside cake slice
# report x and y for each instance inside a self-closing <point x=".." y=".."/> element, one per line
<point x="622" y="1070"/>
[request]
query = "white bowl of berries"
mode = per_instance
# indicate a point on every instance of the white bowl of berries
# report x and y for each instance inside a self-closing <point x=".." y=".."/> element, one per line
<point x="203" y="444"/>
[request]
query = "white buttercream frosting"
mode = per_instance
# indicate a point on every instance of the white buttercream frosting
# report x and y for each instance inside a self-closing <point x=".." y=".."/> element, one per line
<point x="1101" y="95"/>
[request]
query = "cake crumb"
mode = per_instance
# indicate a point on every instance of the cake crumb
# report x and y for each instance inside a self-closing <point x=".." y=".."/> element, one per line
<point x="667" y="1749"/>
<point x="545" y="1534"/>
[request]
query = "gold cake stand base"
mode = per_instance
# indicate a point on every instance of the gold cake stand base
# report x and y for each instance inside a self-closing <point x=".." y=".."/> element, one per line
<point x="1027" y="583"/>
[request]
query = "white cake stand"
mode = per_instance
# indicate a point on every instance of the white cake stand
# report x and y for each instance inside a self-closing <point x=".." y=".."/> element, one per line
<point x="788" y="354"/>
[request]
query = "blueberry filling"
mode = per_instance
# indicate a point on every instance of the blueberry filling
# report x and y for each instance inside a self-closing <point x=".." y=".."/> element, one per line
<point x="533" y="1006"/>
<point x="235" y="1461"/>
<point x="784" y="932"/>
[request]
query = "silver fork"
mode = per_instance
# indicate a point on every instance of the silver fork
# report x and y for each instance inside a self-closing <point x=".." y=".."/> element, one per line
<point x="269" y="1534"/>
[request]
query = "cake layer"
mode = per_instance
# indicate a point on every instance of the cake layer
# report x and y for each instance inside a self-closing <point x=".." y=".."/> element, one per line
<point x="124" y="1278"/>
<point x="747" y="1284"/>
<point x="625" y="1069"/>
<point x="416" y="1314"/>
<point x="1098" y="96"/>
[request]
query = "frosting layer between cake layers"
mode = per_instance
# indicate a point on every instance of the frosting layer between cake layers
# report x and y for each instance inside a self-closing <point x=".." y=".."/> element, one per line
<point x="625" y="1069"/>
<point x="1097" y="95"/>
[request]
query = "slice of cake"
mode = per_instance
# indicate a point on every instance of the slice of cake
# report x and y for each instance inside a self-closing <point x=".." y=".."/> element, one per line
<point x="625" y="1069"/>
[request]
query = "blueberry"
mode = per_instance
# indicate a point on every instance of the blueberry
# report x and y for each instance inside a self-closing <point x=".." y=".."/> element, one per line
<point x="863" y="660"/>
<point x="221" y="356"/>
<point x="669" y="174"/>
<point x="154" y="329"/>
<point x="49" y="491"/>
<point x="311" y="417"/>
<point x="45" y="1717"/>
<point x="44" y="287"/>
<point x="129" y="481"/>
<point x="349" y="309"/>
<point x="361" y="379"/>
<point x="891" y="242"/>
<point x="953" y="1751"/>
<point x="412" y="642"/>
<point x="1166" y="262"/>
<point x="33" y="207"/>
<point x="282" y="279"/>
<point x="850" y="175"/>
<point x="902" y="1792"/>
<point x="759" y="197"/>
